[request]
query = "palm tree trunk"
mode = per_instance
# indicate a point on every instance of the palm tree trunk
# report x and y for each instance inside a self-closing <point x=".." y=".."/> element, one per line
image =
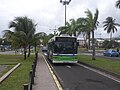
<point x="35" y="49"/>
<point x="85" y="42"/>
<point x="75" y="34"/>
<point x="93" y="45"/>
<point x="70" y="34"/>
<point x="88" y="40"/>
<point x="110" y="36"/>
<point x="29" y="51"/>
<point x="25" y="51"/>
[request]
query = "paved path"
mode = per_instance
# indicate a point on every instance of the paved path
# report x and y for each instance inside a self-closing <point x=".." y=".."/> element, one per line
<point x="43" y="78"/>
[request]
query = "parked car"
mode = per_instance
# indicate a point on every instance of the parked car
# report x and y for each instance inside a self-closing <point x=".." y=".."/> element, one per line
<point x="111" y="52"/>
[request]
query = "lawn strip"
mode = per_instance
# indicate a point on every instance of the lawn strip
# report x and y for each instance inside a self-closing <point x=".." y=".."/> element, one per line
<point x="20" y="76"/>
<point x="6" y="70"/>
<point x="108" y="65"/>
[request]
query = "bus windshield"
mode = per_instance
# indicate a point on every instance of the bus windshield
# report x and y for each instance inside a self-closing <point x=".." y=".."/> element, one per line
<point x="65" y="47"/>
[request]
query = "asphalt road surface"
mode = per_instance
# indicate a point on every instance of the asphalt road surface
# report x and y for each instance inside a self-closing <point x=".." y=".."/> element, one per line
<point x="8" y="52"/>
<point x="76" y="77"/>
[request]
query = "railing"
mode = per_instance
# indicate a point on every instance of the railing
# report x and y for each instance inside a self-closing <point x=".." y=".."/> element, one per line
<point x="31" y="75"/>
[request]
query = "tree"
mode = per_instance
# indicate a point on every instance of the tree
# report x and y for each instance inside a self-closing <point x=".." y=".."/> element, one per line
<point x="70" y="28"/>
<point x="17" y="38"/>
<point x="73" y="27"/>
<point x="43" y="37"/>
<point x="24" y="29"/>
<point x="65" y="29"/>
<point x="50" y="36"/>
<point x="92" y="24"/>
<point x="117" y="4"/>
<point x="82" y="27"/>
<point x="110" y="26"/>
<point x="36" y="40"/>
<point x="105" y="44"/>
<point x="27" y="26"/>
<point x="47" y="38"/>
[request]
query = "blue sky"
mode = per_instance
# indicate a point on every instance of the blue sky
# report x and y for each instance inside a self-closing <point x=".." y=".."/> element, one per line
<point x="50" y="13"/>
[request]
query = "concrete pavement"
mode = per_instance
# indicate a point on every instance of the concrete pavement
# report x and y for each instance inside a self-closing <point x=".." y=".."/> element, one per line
<point x="43" y="77"/>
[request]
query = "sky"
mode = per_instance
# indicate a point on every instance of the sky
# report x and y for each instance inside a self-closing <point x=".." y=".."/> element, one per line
<point x="49" y="14"/>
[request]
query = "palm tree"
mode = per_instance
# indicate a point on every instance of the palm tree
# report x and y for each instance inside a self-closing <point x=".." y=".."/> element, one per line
<point x="26" y="25"/>
<point x="65" y="29"/>
<point x="92" y="24"/>
<point x="73" y="27"/>
<point x="43" y="37"/>
<point x="110" y="26"/>
<point x="24" y="29"/>
<point x="62" y="30"/>
<point x="18" y="39"/>
<point x="70" y="28"/>
<point x="35" y="41"/>
<point x="10" y="36"/>
<point x="50" y="36"/>
<point x="117" y="4"/>
<point x="82" y="27"/>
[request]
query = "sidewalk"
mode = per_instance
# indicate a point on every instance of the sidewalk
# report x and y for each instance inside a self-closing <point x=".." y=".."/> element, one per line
<point x="43" y="78"/>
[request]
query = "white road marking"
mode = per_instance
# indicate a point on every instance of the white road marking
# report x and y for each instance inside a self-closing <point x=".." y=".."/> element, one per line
<point x="101" y="73"/>
<point x="68" y="66"/>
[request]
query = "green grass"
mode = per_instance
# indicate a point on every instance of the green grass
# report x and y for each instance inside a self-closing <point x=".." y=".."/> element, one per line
<point x="109" y="65"/>
<point x="6" y="70"/>
<point x="99" y="49"/>
<point x="20" y="76"/>
<point x="82" y="49"/>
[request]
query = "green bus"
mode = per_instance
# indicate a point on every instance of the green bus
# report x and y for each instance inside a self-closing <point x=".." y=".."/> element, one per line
<point x="62" y="49"/>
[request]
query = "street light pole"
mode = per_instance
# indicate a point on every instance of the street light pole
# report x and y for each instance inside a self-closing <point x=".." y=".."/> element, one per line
<point x="65" y="14"/>
<point x="65" y="3"/>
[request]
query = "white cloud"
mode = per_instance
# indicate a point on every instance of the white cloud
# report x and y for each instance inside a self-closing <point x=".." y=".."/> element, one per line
<point x="50" y="13"/>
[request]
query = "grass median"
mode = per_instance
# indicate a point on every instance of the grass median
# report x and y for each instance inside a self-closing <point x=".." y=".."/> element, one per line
<point x="20" y="76"/>
<point x="109" y="65"/>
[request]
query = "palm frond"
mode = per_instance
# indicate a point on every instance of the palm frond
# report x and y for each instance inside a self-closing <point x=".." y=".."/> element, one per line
<point x="117" y="4"/>
<point x="110" y="25"/>
<point x="96" y="23"/>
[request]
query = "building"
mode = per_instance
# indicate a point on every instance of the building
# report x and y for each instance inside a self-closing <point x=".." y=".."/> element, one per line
<point x="81" y="42"/>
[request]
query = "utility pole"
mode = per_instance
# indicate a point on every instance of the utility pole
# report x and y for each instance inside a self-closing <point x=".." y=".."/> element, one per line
<point x="54" y="30"/>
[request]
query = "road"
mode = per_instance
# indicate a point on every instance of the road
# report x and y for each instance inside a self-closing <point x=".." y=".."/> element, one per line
<point x="8" y="52"/>
<point x="76" y="77"/>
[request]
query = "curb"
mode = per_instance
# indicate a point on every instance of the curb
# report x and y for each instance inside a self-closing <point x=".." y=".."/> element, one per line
<point x="56" y="79"/>
<point x="102" y="70"/>
<point x="9" y="72"/>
